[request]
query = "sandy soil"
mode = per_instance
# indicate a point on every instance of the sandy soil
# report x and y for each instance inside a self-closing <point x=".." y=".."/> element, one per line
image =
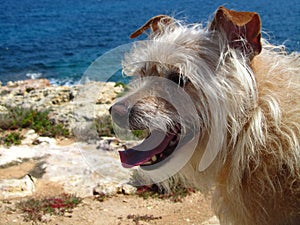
<point x="116" y="210"/>
<point x="122" y="210"/>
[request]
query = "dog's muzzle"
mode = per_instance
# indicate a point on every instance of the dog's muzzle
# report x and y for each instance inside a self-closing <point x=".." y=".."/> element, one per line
<point x="124" y="116"/>
<point x="154" y="148"/>
<point x="120" y="114"/>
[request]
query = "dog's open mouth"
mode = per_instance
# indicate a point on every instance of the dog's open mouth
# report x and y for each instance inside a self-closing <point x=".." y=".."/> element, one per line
<point x="155" y="148"/>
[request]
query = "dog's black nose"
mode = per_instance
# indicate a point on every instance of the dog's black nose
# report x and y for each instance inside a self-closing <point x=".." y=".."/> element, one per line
<point x="119" y="108"/>
<point x="120" y="114"/>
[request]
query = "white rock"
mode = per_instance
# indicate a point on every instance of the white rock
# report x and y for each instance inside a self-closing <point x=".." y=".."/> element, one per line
<point x="30" y="137"/>
<point x="47" y="140"/>
<point x="3" y="110"/>
<point x="11" y="84"/>
<point x="12" y="188"/>
<point x="211" y="221"/>
<point x="107" y="189"/>
<point x="128" y="189"/>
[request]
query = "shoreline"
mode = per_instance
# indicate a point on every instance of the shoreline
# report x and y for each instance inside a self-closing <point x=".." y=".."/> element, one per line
<point x="70" y="106"/>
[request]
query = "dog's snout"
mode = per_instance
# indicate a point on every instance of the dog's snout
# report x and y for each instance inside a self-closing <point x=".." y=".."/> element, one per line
<point x="119" y="108"/>
<point x="120" y="113"/>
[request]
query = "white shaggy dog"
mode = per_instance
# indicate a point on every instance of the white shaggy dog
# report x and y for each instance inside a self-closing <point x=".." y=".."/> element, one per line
<point x="246" y="95"/>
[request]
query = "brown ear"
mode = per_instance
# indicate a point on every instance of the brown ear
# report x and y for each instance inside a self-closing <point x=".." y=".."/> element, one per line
<point x="153" y="23"/>
<point x="239" y="26"/>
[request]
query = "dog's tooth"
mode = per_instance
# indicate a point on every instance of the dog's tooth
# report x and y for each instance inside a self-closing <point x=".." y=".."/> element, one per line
<point x="172" y="143"/>
<point x="154" y="158"/>
<point x="147" y="163"/>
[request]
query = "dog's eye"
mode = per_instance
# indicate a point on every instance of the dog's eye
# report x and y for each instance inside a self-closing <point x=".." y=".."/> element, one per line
<point x="178" y="79"/>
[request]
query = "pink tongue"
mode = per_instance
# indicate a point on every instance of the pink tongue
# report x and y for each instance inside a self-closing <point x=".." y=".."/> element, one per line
<point x="146" y="150"/>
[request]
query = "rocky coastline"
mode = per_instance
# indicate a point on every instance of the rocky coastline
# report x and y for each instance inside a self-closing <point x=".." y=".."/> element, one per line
<point x="85" y="165"/>
<point x="67" y="104"/>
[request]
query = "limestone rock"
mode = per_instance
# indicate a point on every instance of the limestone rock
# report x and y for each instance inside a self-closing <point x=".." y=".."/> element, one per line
<point x="107" y="189"/>
<point x="72" y="106"/>
<point x="128" y="189"/>
<point x="12" y="188"/>
<point x="46" y="140"/>
<point x="111" y="188"/>
<point x="3" y="110"/>
<point x="26" y="85"/>
<point x="29" y="138"/>
<point x="211" y="221"/>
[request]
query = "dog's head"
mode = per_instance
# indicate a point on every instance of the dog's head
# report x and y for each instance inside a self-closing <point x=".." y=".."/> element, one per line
<point x="189" y="82"/>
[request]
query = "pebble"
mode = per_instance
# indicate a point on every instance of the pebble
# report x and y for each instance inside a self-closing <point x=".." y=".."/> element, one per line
<point x="211" y="221"/>
<point x="29" y="137"/>
<point x="3" y="110"/>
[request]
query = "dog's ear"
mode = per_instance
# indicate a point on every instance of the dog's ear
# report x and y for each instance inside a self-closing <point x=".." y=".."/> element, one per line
<point x="154" y="23"/>
<point x="242" y="29"/>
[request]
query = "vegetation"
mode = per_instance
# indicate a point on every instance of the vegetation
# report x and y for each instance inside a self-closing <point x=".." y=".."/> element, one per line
<point x="34" y="209"/>
<point x="104" y="126"/>
<point x="17" y="119"/>
<point x="125" y="89"/>
<point x="176" y="195"/>
<point x="120" y="84"/>
<point x="13" y="138"/>
<point x="146" y="218"/>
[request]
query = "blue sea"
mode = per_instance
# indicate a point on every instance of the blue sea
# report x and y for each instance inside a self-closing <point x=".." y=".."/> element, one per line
<point x="59" y="39"/>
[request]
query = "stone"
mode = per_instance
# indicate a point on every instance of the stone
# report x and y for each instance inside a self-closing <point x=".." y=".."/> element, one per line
<point x="29" y="138"/>
<point x="46" y="218"/>
<point x="11" y="84"/>
<point x="46" y="140"/>
<point x="12" y="188"/>
<point x="3" y="110"/>
<point x="211" y="221"/>
<point x="107" y="189"/>
<point x="128" y="189"/>
<point x="26" y="85"/>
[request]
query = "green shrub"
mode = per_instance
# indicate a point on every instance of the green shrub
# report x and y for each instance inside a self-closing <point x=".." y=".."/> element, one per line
<point x="21" y="118"/>
<point x="140" y="134"/>
<point x="104" y="126"/>
<point x="13" y="138"/>
<point x="125" y="89"/>
<point x="176" y="195"/>
<point x="119" y="83"/>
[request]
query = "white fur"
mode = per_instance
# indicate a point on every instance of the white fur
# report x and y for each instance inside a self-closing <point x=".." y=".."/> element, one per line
<point x="249" y="115"/>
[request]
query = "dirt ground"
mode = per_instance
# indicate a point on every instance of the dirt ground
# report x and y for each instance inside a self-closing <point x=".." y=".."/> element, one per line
<point x="117" y="210"/>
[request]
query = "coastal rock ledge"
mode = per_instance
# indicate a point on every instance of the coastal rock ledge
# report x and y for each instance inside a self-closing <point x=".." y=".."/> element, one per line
<point x="82" y="166"/>
<point x="68" y="105"/>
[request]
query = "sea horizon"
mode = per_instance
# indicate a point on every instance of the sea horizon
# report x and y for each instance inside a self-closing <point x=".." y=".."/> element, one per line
<point x="59" y="40"/>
